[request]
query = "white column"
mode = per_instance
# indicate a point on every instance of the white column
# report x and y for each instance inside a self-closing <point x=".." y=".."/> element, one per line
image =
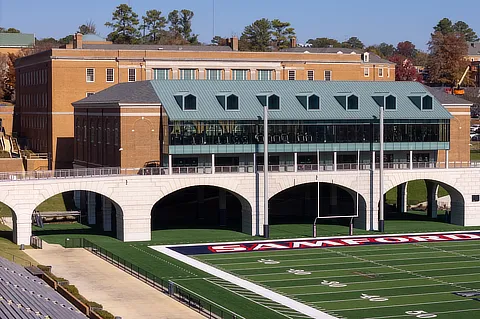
<point x="107" y="214"/>
<point x="295" y="161"/>
<point x="213" y="163"/>
<point x="446" y="158"/>
<point x="91" y="209"/>
<point x="22" y="228"/>
<point x="402" y="197"/>
<point x="170" y="163"/>
<point x="254" y="162"/>
<point x="373" y="161"/>
<point x="334" y="161"/>
<point x="77" y="195"/>
<point x="135" y="224"/>
<point x="411" y="159"/>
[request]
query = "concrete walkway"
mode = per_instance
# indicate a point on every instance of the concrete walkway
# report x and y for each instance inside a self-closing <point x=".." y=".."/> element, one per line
<point x="118" y="292"/>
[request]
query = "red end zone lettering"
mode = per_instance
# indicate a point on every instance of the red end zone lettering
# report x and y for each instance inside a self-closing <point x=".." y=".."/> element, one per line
<point x="268" y="246"/>
<point x="324" y="243"/>
<point x="227" y="248"/>
<point x="313" y="244"/>
<point x="392" y="240"/>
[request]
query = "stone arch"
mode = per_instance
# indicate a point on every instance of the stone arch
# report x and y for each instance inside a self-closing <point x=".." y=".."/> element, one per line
<point x="6" y="218"/>
<point x="23" y="205"/>
<point x="361" y="202"/>
<point x="247" y="207"/>
<point x="456" y="197"/>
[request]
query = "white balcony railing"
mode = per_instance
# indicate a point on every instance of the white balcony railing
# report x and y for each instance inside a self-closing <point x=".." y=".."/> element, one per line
<point x="114" y="171"/>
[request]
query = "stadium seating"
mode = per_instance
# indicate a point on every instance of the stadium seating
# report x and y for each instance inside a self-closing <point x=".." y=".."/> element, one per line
<point x="25" y="296"/>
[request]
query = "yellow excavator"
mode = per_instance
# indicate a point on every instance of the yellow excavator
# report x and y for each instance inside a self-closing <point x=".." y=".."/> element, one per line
<point x="458" y="90"/>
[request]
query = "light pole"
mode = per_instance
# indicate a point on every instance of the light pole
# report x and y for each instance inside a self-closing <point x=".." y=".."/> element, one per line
<point x="318" y="196"/>
<point x="381" y="215"/>
<point x="266" y="229"/>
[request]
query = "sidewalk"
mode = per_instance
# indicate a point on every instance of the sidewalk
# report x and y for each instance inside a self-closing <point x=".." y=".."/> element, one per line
<point x="99" y="281"/>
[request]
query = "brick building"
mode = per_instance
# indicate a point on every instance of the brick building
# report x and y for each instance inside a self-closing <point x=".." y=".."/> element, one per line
<point x="48" y="82"/>
<point x="14" y="42"/>
<point x="208" y="125"/>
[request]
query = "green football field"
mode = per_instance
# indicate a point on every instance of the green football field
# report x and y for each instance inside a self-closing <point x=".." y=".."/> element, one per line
<point x="416" y="280"/>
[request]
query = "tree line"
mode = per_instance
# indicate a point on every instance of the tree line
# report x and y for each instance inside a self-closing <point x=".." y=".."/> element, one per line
<point x="444" y="61"/>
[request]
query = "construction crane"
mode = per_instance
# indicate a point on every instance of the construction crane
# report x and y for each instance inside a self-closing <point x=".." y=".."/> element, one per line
<point x="458" y="90"/>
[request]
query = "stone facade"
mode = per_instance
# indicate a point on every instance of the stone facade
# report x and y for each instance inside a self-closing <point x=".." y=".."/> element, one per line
<point x="134" y="196"/>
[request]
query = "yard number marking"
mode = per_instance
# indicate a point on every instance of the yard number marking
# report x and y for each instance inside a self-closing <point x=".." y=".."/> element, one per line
<point x="373" y="298"/>
<point x="420" y="314"/>
<point x="333" y="284"/>
<point x="268" y="261"/>
<point x="298" y="272"/>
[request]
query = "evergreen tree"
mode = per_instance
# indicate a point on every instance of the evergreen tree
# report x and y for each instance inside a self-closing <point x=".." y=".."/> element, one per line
<point x="324" y="43"/>
<point x="124" y="22"/>
<point x="444" y="26"/>
<point x="353" y="43"/>
<point x="154" y="23"/>
<point x="282" y="33"/>
<point x="463" y="28"/>
<point x="257" y="36"/>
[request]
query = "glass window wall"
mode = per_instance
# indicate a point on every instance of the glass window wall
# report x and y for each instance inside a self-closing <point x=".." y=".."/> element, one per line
<point x="286" y="132"/>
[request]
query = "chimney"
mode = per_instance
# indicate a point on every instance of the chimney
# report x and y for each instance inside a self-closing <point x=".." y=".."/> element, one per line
<point x="233" y="42"/>
<point x="293" y="42"/>
<point x="78" y="40"/>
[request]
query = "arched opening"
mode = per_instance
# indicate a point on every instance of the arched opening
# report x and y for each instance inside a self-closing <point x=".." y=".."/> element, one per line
<point x="202" y="207"/>
<point x="300" y="205"/>
<point x="425" y="201"/>
<point x="7" y="217"/>
<point x="75" y="213"/>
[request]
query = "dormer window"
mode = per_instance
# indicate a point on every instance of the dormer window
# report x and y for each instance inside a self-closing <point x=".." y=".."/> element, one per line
<point x="348" y="101"/>
<point x="423" y="101"/>
<point x="352" y="102"/>
<point x="366" y="57"/>
<point x="228" y="101"/>
<point x="390" y="103"/>
<point x="271" y="100"/>
<point x="427" y="103"/>
<point x="309" y="100"/>
<point x="187" y="101"/>
<point x="386" y="100"/>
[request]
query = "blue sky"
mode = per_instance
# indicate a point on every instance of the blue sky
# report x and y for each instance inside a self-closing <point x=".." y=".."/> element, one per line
<point x="372" y="21"/>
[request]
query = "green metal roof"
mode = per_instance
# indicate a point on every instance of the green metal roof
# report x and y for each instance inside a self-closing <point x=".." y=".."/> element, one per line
<point x="93" y="38"/>
<point x="18" y="40"/>
<point x="250" y="107"/>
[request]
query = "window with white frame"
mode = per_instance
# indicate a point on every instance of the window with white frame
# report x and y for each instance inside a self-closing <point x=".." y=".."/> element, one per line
<point x="160" y="74"/>
<point x="310" y="75"/>
<point x="239" y="75"/>
<point x="90" y="75"/>
<point x="187" y="74"/>
<point x="132" y="75"/>
<point x="380" y="72"/>
<point x="292" y="75"/>
<point x="327" y="75"/>
<point x="366" y="72"/>
<point x="214" y="74"/>
<point x="263" y="75"/>
<point x="110" y="75"/>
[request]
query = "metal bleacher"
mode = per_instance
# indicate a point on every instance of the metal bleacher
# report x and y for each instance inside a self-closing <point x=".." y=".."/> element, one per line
<point x="25" y="296"/>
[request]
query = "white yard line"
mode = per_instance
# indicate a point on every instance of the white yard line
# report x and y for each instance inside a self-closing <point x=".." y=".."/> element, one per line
<point x="388" y="280"/>
<point x="342" y="276"/>
<point x="376" y="306"/>
<point x="410" y="252"/>
<point x="433" y="312"/>
<point x="304" y="309"/>
<point x="387" y="296"/>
